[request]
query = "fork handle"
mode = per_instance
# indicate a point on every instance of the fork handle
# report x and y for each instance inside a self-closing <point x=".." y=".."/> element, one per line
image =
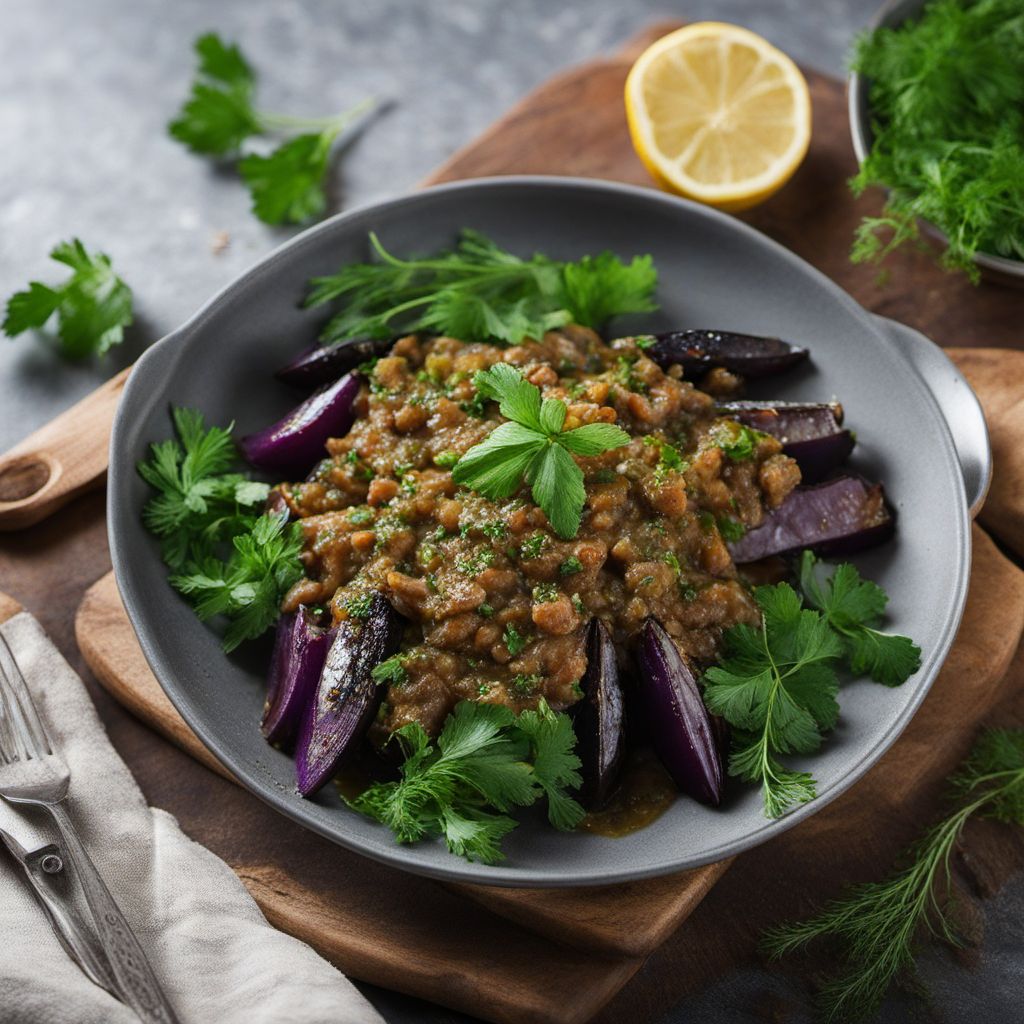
<point x="136" y="984"/>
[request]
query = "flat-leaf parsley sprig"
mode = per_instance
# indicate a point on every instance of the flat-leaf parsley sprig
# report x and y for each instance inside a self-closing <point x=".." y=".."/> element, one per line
<point x="485" y="762"/>
<point x="220" y="115"/>
<point x="533" y="447"/>
<point x="226" y="555"/>
<point x="481" y="292"/>
<point x="776" y="683"/>
<point x="93" y="306"/>
<point x="877" y="923"/>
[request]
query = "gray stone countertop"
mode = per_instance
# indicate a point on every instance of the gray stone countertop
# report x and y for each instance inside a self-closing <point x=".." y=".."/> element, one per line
<point x="86" y="89"/>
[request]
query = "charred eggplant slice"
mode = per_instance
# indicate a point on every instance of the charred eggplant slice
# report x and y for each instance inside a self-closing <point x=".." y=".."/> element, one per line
<point x="322" y="364"/>
<point x="347" y="696"/>
<point x="837" y="517"/>
<point x="746" y="354"/>
<point x="682" y="733"/>
<point x="599" y="719"/>
<point x="296" y="442"/>
<point x="811" y="433"/>
<point x="300" y="647"/>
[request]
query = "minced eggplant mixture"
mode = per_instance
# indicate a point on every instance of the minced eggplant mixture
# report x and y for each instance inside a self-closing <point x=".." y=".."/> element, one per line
<point x="497" y="602"/>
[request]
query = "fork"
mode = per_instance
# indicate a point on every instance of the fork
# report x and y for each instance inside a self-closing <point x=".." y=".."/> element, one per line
<point x="31" y="773"/>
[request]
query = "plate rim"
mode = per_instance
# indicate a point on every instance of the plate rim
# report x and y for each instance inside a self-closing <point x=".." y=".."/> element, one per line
<point x="169" y="349"/>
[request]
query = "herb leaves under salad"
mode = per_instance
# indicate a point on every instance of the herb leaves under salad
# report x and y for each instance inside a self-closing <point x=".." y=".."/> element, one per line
<point x="481" y="292"/>
<point x="947" y="112"/>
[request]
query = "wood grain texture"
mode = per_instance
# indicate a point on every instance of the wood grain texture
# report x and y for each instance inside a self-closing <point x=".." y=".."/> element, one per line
<point x="60" y="460"/>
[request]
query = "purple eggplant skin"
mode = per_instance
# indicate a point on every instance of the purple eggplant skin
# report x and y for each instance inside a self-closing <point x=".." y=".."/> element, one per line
<point x="682" y="733"/>
<point x="300" y="647"/>
<point x="293" y="444"/>
<point x="811" y="434"/>
<point x="746" y="354"/>
<point x="322" y="364"/>
<point x="838" y="517"/>
<point x="347" y="696"/>
<point x="599" y="719"/>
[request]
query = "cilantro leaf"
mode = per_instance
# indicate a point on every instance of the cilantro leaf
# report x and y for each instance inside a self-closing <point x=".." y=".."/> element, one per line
<point x="480" y="292"/>
<point x="93" y="305"/>
<point x="495" y="466"/>
<point x="248" y="586"/>
<point x="533" y="447"/>
<point x="776" y="686"/>
<point x="226" y="556"/>
<point x="556" y="484"/>
<point x="287" y="185"/>
<point x="600" y="287"/>
<point x="484" y="761"/>
<point x="852" y="606"/>
<point x="218" y="116"/>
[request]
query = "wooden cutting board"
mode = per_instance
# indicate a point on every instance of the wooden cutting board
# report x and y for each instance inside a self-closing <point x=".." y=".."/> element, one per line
<point x="509" y="959"/>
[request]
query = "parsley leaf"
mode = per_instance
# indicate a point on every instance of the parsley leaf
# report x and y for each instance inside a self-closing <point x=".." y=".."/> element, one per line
<point x="851" y="606"/>
<point x="218" y="115"/>
<point x="480" y="292"/>
<point x="776" y="683"/>
<point x="287" y="184"/>
<point x="226" y="556"/>
<point x="484" y="761"/>
<point x="93" y="305"/>
<point x="776" y="686"/>
<point x="533" y="447"/>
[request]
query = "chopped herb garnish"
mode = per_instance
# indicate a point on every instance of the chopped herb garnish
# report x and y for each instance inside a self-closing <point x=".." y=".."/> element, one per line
<point x="730" y="529"/>
<point x="545" y="593"/>
<point x="485" y="609"/>
<point x="358" y="607"/>
<point x="391" y="671"/>
<point x="446" y="459"/>
<point x="570" y="566"/>
<point x="514" y="640"/>
<point x="533" y="546"/>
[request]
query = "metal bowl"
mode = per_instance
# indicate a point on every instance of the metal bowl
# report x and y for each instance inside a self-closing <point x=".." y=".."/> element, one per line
<point x="998" y="269"/>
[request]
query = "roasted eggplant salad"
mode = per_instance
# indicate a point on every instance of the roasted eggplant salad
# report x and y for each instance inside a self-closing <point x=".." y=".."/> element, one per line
<point x="511" y="557"/>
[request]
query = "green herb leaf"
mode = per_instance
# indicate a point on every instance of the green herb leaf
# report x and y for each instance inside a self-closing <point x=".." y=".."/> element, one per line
<point x="480" y="292"/>
<point x="484" y="758"/>
<point x="228" y="557"/>
<point x="218" y="115"/>
<point x="93" y="305"/>
<point x="532" y="447"/>
<point x="287" y="185"/>
<point x="876" y="924"/>
<point x="852" y="606"/>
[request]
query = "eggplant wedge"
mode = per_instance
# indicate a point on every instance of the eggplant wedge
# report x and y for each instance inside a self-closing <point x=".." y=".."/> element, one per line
<point x="293" y="444"/>
<point x="746" y="354"/>
<point x="347" y="696"/>
<point x="811" y="433"/>
<point x="837" y="517"/>
<point x="682" y="732"/>
<point x="300" y="647"/>
<point x="599" y="719"/>
<point x="322" y="364"/>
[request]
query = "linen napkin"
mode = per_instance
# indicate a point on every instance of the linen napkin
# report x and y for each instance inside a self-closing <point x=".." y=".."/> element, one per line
<point x="213" y="952"/>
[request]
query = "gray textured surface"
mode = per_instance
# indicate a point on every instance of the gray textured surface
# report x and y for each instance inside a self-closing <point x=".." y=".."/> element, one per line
<point x="85" y="89"/>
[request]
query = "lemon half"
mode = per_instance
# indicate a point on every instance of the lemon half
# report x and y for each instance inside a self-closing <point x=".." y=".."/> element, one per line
<point x="718" y="114"/>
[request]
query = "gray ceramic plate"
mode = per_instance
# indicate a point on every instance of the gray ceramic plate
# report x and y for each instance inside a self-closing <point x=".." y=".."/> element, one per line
<point x="714" y="272"/>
